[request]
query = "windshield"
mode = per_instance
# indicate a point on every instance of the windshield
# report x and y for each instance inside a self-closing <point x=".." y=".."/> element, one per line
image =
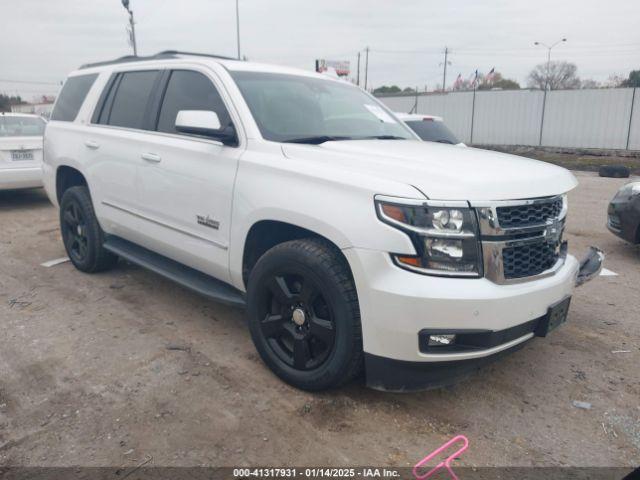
<point x="294" y="108"/>
<point x="11" y="126"/>
<point x="432" y="131"/>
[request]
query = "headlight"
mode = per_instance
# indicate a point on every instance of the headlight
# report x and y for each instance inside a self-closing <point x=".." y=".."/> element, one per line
<point x="444" y="234"/>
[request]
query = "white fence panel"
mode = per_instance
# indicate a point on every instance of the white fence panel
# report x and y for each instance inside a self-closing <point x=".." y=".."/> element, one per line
<point x="597" y="118"/>
<point x="587" y="118"/>
<point x="634" y="138"/>
<point x="455" y="108"/>
<point x="507" y="117"/>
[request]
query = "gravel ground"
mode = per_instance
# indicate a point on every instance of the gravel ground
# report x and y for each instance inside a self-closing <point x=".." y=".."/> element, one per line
<point x="575" y="159"/>
<point x="115" y="368"/>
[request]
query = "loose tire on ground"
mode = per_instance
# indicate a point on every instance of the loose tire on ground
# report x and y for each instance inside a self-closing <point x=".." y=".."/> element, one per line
<point x="614" y="171"/>
<point x="81" y="233"/>
<point x="303" y="314"/>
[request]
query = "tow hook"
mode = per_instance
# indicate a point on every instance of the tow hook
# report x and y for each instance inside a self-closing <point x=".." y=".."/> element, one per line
<point x="590" y="265"/>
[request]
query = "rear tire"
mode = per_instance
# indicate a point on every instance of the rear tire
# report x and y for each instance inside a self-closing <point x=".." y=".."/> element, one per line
<point x="304" y="316"/>
<point x="81" y="233"/>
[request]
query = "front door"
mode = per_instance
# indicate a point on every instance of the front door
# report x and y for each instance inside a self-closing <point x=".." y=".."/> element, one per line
<point x="186" y="182"/>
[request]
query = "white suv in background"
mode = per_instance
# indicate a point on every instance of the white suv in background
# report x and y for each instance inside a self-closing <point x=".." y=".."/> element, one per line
<point x="351" y="243"/>
<point x="430" y="128"/>
<point x="20" y="150"/>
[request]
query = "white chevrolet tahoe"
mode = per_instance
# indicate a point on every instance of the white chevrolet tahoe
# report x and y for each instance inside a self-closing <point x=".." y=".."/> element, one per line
<point x="351" y="243"/>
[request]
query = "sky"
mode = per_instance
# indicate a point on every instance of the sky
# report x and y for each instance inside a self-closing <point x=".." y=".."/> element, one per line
<point x="43" y="40"/>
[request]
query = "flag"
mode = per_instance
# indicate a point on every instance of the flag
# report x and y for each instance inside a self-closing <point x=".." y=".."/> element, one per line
<point x="475" y="79"/>
<point x="491" y="74"/>
<point x="458" y="82"/>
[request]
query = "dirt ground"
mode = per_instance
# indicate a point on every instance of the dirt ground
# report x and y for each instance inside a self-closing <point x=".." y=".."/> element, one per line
<point x="575" y="159"/>
<point x="109" y="369"/>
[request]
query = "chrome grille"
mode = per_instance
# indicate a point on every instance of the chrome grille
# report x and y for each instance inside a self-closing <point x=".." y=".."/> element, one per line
<point x="529" y="260"/>
<point x="526" y="215"/>
<point x="522" y="239"/>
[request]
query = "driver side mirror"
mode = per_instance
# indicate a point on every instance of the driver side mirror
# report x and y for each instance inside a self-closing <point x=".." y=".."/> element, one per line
<point x="207" y="124"/>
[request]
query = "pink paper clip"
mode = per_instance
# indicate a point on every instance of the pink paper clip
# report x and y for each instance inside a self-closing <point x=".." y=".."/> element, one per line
<point x="446" y="463"/>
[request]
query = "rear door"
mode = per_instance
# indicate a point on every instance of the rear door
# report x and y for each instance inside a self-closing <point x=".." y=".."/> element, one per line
<point x="21" y="141"/>
<point x="120" y="125"/>
<point x="186" y="181"/>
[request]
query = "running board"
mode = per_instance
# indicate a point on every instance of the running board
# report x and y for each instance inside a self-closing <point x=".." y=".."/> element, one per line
<point x="187" y="277"/>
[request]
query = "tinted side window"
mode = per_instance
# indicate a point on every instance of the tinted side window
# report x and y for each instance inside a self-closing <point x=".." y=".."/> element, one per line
<point x="188" y="90"/>
<point x="131" y="99"/>
<point x="71" y="97"/>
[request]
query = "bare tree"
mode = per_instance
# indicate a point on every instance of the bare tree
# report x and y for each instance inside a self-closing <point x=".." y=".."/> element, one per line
<point x="590" y="83"/>
<point x="554" y="76"/>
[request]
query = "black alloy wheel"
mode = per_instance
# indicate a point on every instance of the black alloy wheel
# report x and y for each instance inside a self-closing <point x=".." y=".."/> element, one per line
<point x="74" y="232"/>
<point x="303" y="314"/>
<point x="297" y="320"/>
<point x="81" y="233"/>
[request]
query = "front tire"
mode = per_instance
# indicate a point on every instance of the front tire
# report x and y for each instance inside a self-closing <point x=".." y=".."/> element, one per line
<point x="81" y="232"/>
<point x="304" y="316"/>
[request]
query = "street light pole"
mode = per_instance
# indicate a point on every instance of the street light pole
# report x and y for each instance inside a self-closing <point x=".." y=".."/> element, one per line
<point x="366" y="67"/>
<point x="546" y="81"/>
<point x="546" y="84"/>
<point x="238" y="27"/>
<point x="132" y="24"/>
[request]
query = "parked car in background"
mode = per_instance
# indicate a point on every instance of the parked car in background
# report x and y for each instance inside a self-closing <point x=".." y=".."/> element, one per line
<point x="20" y="150"/>
<point x="304" y="199"/>
<point x="429" y="128"/>
<point x="623" y="215"/>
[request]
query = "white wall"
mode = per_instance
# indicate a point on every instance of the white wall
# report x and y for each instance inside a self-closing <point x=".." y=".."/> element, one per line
<point x="455" y="108"/>
<point x="634" y="138"/>
<point x="511" y="118"/>
<point x="597" y="118"/>
<point x="587" y="118"/>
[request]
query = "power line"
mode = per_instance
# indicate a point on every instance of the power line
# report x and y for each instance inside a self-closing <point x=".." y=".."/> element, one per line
<point x="34" y="82"/>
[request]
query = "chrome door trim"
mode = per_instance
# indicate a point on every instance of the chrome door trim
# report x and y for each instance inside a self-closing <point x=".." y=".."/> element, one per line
<point x="162" y="224"/>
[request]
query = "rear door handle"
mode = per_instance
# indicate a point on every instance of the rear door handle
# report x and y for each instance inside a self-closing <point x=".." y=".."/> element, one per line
<point x="151" y="157"/>
<point x="92" y="145"/>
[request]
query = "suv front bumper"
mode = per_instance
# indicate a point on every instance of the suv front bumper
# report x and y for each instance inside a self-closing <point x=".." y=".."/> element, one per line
<point x="395" y="305"/>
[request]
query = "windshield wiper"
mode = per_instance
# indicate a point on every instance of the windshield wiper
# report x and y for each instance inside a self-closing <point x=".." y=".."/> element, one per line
<point x="445" y="141"/>
<point x="382" y="137"/>
<point x="317" y="140"/>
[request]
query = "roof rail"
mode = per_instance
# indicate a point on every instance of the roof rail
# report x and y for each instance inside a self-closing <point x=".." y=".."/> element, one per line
<point x="157" y="56"/>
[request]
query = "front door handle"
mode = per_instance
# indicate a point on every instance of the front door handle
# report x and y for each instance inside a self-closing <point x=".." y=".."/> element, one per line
<point x="92" y="144"/>
<point x="151" y="157"/>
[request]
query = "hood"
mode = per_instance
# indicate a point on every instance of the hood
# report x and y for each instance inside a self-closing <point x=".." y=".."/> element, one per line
<point x="442" y="172"/>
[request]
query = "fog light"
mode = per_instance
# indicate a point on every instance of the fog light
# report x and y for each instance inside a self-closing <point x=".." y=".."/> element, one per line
<point x="441" y="340"/>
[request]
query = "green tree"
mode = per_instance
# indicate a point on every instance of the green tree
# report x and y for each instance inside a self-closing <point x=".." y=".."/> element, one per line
<point x="633" y="80"/>
<point x="386" y="89"/>
<point x="6" y="101"/>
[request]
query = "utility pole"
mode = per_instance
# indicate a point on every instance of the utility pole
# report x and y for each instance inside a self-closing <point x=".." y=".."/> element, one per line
<point x="444" y="73"/>
<point x="366" y="66"/>
<point x="132" y="25"/>
<point x="238" y="27"/>
<point x="358" y="74"/>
